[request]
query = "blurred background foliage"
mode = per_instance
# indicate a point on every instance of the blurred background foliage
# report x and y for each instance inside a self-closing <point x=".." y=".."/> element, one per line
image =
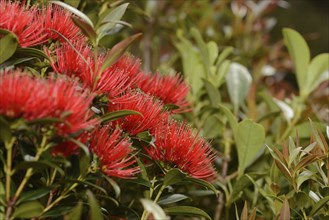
<point x="242" y="79"/>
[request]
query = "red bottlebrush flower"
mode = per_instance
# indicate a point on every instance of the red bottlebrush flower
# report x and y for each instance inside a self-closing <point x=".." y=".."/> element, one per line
<point x="79" y="62"/>
<point x="177" y="145"/>
<point x="59" y="19"/>
<point x="25" y="24"/>
<point x="169" y="89"/>
<point x="150" y="109"/>
<point x="32" y="98"/>
<point x="113" y="152"/>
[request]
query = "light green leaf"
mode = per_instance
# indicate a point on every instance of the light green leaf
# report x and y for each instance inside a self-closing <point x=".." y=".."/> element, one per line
<point x="169" y="199"/>
<point x="222" y="72"/>
<point x="75" y="213"/>
<point x="250" y="138"/>
<point x="172" y="177"/>
<point x="95" y="209"/>
<point x="299" y="52"/>
<point x="213" y="93"/>
<point x="109" y="20"/>
<point x="187" y="210"/>
<point x="318" y="66"/>
<point x="231" y="118"/>
<point x="238" y="81"/>
<point x="154" y="209"/>
<point x="212" y="51"/>
<point x="28" y="210"/>
<point x="111" y="116"/>
<point x="223" y="55"/>
<point x="74" y="11"/>
<point x="8" y="45"/>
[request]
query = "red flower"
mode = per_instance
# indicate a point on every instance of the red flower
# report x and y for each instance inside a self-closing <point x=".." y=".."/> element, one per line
<point x="59" y="19"/>
<point x="169" y="89"/>
<point x="150" y="109"/>
<point x="113" y="151"/>
<point x="79" y="62"/>
<point x="177" y="145"/>
<point x="32" y="98"/>
<point x="25" y="24"/>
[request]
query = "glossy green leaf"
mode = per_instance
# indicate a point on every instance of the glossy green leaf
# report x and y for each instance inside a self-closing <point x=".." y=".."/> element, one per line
<point x="169" y="199"/>
<point x="33" y="194"/>
<point x="213" y="93"/>
<point x="117" y="50"/>
<point x="111" y="116"/>
<point x="250" y="138"/>
<point x="317" y="207"/>
<point x="15" y="61"/>
<point x="238" y="81"/>
<point x="154" y="209"/>
<point x="187" y="210"/>
<point x="28" y="210"/>
<point x="86" y="29"/>
<point x="75" y="213"/>
<point x="172" y="177"/>
<point x="28" y="52"/>
<point x="203" y="183"/>
<point x="8" y="45"/>
<point x="95" y="209"/>
<point x="110" y="19"/>
<point x="74" y="11"/>
<point x="299" y="52"/>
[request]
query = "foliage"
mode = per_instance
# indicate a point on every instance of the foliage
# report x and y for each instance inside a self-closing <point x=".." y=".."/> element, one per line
<point x="126" y="147"/>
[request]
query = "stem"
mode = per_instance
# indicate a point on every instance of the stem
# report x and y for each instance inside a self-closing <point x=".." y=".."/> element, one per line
<point x="8" y="171"/>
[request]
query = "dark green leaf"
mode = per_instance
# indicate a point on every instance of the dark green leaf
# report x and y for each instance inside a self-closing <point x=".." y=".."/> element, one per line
<point x="31" y="52"/>
<point x="317" y="207"/>
<point x="141" y="182"/>
<point x="8" y="45"/>
<point x="111" y="116"/>
<point x="146" y="137"/>
<point x="169" y="199"/>
<point x="5" y="132"/>
<point x="116" y="52"/>
<point x="76" y="212"/>
<point x="86" y="29"/>
<point x="33" y="194"/>
<point x="38" y="166"/>
<point x="203" y="183"/>
<point x="172" y="177"/>
<point x="28" y="210"/>
<point x="114" y="185"/>
<point x="95" y="209"/>
<point x="81" y="145"/>
<point x="187" y="210"/>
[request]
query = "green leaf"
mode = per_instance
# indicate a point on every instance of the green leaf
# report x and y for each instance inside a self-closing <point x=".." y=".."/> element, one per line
<point x="74" y="11"/>
<point x="141" y="182"/>
<point x="317" y="207"/>
<point x="31" y="52"/>
<point x="117" y="50"/>
<point x="28" y="210"/>
<point x="38" y="166"/>
<point x="318" y="66"/>
<point x="75" y="213"/>
<point x="299" y="52"/>
<point x="86" y="29"/>
<point x="250" y="138"/>
<point x="285" y="210"/>
<point x="95" y="209"/>
<point x="213" y="93"/>
<point x="8" y="45"/>
<point x="172" y="177"/>
<point x="154" y="209"/>
<point x="146" y="137"/>
<point x="222" y="72"/>
<point x="242" y="183"/>
<point x="212" y="51"/>
<point x="114" y="185"/>
<point x="5" y="132"/>
<point x="109" y="20"/>
<point x="203" y="183"/>
<point x="33" y="194"/>
<point x="223" y="55"/>
<point x="238" y="81"/>
<point x="81" y="145"/>
<point x="169" y="199"/>
<point x="231" y="118"/>
<point x="187" y="210"/>
<point x="111" y="116"/>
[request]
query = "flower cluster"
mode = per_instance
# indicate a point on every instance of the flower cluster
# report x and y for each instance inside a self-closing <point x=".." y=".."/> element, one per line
<point x="79" y="77"/>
